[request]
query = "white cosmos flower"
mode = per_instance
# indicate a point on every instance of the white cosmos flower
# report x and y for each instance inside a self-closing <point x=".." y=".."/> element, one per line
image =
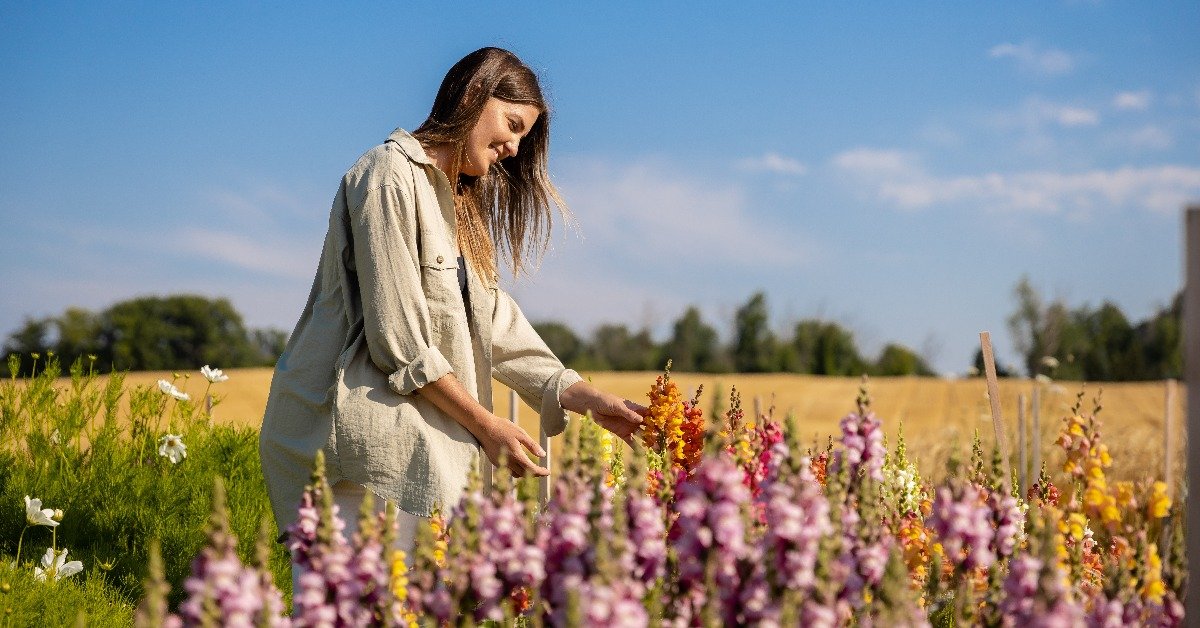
<point x="55" y="565"/>
<point x="171" y="446"/>
<point x="38" y="516"/>
<point x="1043" y="379"/>
<point x="213" y="375"/>
<point x="168" y="388"/>
<point x="1050" y="362"/>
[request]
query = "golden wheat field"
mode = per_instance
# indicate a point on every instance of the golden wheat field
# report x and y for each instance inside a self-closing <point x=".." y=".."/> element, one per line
<point x="937" y="414"/>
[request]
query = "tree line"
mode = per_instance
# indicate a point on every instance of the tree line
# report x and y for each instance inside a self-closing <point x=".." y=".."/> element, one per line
<point x="1052" y="338"/>
<point x="815" y="346"/>
<point x="1095" y="343"/>
<point x="149" y="334"/>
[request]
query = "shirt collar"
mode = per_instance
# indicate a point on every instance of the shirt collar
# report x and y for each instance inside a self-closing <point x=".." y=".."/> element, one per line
<point x="410" y="146"/>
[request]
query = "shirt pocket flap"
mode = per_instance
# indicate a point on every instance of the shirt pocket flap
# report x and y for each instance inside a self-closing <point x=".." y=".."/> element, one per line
<point x="436" y="254"/>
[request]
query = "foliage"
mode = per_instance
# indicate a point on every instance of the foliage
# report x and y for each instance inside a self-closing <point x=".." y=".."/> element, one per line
<point x="149" y="333"/>
<point x="754" y="345"/>
<point x="1096" y="344"/>
<point x="92" y="451"/>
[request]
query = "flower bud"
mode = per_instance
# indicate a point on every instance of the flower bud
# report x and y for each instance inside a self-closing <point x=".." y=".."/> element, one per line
<point x="58" y="514"/>
<point x="5" y="587"/>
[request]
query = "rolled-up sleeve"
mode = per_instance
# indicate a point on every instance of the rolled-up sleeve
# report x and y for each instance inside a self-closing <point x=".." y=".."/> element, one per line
<point x="522" y="361"/>
<point x="396" y="317"/>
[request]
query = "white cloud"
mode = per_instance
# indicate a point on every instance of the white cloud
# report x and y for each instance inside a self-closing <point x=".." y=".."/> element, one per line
<point x="1150" y="137"/>
<point x="651" y="211"/>
<point x="1160" y="189"/>
<point x="1035" y="113"/>
<point x="1133" y="101"/>
<point x="876" y="161"/>
<point x="774" y="163"/>
<point x="260" y="253"/>
<point x="1033" y="58"/>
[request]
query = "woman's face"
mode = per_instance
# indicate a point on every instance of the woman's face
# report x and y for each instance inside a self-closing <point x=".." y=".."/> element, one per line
<point x="496" y="134"/>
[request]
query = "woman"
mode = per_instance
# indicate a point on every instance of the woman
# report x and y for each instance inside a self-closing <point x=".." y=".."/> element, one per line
<point x="389" y="368"/>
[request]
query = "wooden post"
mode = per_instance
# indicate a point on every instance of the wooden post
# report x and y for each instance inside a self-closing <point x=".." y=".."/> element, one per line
<point x="757" y="408"/>
<point x="1022" y="444"/>
<point x="993" y="388"/>
<point x="1191" y="366"/>
<point x="1035" y="442"/>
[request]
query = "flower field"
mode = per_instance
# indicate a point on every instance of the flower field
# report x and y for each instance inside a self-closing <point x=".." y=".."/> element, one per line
<point x="715" y="516"/>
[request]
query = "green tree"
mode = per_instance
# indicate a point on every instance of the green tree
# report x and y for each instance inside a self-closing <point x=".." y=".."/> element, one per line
<point x="153" y="333"/>
<point x="898" y="359"/>
<point x="1161" y="340"/>
<point x="693" y="345"/>
<point x="754" y="347"/>
<point x="614" y="347"/>
<point x="561" y="340"/>
<point x="1113" y="354"/>
<point x="1035" y="326"/>
<point x="33" y="336"/>
<point x="825" y="348"/>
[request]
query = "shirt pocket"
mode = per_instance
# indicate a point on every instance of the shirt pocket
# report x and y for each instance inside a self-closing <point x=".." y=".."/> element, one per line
<point x="439" y="274"/>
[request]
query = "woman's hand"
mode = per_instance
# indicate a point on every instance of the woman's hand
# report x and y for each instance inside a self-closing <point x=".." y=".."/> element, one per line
<point x="498" y="437"/>
<point x="619" y="416"/>
<point x="503" y="438"/>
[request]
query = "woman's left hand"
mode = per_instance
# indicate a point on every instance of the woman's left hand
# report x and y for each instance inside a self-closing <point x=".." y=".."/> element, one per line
<point x="619" y="416"/>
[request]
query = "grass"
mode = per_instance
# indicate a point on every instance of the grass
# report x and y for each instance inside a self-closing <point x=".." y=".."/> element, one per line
<point x="115" y="491"/>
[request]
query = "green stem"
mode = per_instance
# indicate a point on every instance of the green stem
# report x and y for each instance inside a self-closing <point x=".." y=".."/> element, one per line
<point x="20" y="540"/>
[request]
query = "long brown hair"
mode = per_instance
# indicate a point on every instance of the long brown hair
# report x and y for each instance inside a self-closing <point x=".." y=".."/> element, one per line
<point x="507" y="210"/>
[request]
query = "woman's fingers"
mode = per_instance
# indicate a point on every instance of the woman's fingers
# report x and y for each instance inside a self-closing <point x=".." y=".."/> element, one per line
<point x="530" y="444"/>
<point x="519" y="464"/>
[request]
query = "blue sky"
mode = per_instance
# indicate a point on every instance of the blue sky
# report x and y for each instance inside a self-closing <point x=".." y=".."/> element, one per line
<point x="895" y="168"/>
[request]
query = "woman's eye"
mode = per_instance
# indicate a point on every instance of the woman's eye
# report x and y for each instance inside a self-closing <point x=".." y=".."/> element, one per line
<point x="512" y="125"/>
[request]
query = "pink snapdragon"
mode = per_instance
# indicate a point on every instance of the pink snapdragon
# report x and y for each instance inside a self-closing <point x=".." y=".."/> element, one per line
<point x="710" y="526"/>
<point x="862" y="445"/>
<point x="961" y="521"/>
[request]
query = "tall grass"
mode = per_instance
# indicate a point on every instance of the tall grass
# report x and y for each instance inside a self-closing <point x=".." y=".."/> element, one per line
<point x="91" y="449"/>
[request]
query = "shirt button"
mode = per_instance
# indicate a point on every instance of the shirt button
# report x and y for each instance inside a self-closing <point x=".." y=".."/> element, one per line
<point x="440" y="259"/>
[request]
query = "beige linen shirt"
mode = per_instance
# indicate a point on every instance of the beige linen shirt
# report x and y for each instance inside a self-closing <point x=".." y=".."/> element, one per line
<point x="385" y="317"/>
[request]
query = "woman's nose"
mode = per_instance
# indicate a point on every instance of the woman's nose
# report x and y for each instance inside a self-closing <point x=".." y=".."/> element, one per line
<point x="510" y="147"/>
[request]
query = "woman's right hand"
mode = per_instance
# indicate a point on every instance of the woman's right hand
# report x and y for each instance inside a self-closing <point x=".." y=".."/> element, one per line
<point x="502" y="438"/>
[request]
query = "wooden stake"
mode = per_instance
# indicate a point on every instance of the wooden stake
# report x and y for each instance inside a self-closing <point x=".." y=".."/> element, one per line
<point x="757" y="408"/>
<point x="993" y="388"/>
<point x="1022" y="444"/>
<point x="1191" y="365"/>
<point x="1035" y="443"/>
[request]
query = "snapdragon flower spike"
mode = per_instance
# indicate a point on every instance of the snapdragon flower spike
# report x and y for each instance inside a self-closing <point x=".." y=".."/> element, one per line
<point x="1035" y="594"/>
<point x="862" y="449"/>
<point x="647" y="532"/>
<point x="221" y="590"/>
<point x="710" y="530"/>
<point x="517" y="564"/>
<point x="1008" y="521"/>
<point x="565" y="539"/>
<point x="961" y="521"/>
<point x="797" y="517"/>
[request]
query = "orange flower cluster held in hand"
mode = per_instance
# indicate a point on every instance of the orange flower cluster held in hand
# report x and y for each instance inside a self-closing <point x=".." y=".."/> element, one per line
<point x="663" y="428"/>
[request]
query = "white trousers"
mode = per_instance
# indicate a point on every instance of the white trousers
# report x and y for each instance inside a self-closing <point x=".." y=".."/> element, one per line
<point x="349" y="496"/>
